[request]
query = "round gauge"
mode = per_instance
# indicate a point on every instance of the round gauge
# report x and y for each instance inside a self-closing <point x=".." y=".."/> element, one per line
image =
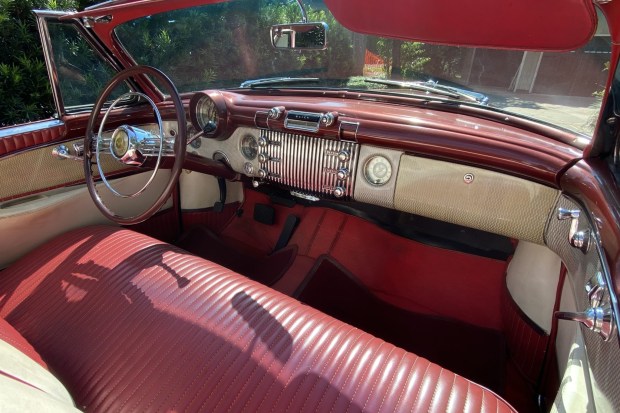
<point x="377" y="170"/>
<point x="249" y="147"/>
<point x="206" y="114"/>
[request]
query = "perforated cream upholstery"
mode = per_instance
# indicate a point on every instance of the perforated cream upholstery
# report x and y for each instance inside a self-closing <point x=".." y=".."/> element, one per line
<point x="492" y="202"/>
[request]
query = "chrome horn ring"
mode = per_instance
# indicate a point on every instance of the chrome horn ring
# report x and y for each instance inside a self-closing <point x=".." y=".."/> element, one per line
<point x="131" y="155"/>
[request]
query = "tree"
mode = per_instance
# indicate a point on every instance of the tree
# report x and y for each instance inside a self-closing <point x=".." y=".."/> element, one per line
<point x="24" y="85"/>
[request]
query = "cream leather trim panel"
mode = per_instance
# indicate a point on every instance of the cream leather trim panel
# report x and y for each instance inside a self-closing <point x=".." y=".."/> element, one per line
<point x="22" y="368"/>
<point x="17" y="397"/>
<point x="533" y="275"/>
<point x="575" y="393"/>
<point x="24" y="226"/>
<point x="492" y="202"/>
<point x="200" y="191"/>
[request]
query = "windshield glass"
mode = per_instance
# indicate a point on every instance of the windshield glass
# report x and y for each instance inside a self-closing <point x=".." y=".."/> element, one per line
<point x="225" y="44"/>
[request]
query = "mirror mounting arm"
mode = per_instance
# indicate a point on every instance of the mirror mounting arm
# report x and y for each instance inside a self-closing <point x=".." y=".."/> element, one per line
<point x="304" y="15"/>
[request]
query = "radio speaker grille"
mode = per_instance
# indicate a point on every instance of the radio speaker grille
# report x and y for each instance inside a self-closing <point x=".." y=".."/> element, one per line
<point x="309" y="163"/>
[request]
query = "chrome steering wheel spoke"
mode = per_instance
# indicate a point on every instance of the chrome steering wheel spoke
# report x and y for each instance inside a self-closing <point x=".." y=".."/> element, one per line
<point x="130" y="145"/>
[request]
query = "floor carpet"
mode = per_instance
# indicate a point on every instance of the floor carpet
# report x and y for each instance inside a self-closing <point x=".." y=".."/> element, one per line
<point x="266" y="268"/>
<point x="474" y="352"/>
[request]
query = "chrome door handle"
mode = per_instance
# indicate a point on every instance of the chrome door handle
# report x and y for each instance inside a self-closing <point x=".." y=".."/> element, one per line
<point x="62" y="152"/>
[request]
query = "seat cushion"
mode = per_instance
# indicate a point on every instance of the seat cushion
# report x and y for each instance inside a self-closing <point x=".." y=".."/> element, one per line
<point x="129" y="323"/>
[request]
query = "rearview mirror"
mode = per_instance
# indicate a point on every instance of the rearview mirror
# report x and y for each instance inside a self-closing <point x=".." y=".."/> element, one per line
<point x="312" y="36"/>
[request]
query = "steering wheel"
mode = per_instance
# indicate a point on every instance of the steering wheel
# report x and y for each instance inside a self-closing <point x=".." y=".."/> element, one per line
<point x="132" y="146"/>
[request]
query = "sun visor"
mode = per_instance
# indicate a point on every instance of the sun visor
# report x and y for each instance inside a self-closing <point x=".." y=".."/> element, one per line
<point x="544" y="25"/>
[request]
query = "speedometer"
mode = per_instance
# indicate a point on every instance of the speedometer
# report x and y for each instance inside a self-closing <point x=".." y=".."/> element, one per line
<point x="208" y="113"/>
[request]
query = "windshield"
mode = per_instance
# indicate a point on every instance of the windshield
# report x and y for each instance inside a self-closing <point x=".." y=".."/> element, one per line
<point x="225" y="44"/>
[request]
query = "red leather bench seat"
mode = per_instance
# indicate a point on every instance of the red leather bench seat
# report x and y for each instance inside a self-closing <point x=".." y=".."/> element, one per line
<point x="129" y="323"/>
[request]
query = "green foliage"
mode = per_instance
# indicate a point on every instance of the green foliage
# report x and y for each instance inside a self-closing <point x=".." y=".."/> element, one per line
<point x="82" y="73"/>
<point x="228" y="43"/>
<point x="24" y="85"/>
<point x="216" y="45"/>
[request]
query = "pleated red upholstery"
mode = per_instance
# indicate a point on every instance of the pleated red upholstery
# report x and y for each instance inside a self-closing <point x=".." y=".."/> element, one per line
<point x="131" y="324"/>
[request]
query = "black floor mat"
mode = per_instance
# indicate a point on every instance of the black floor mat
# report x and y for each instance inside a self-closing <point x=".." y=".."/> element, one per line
<point x="476" y="353"/>
<point x="266" y="269"/>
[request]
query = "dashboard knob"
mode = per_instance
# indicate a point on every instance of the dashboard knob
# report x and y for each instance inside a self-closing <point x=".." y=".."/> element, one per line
<point x="248" y="168"/>
<point x="338" y="192"/>
<point x="263" y="141"/>
<point x="262" y="158"/>
<point x="342" y="174"/>
<point x="276" y="112"/>
<point x="262" y="173"/>
<point x="328" y="119"/>
<point x="344" y="155"/>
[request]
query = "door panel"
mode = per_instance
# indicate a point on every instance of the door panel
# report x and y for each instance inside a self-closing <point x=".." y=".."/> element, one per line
<point x="27" y="223"/>
<point x="21" y="137"/>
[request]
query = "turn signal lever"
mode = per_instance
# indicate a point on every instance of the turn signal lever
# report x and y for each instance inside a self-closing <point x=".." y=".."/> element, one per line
<point x="598" y="319"/>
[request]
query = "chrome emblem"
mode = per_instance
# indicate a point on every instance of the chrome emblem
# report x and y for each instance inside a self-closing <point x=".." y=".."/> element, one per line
<point x="468" y="178"/>
<point x="120" y="143"/>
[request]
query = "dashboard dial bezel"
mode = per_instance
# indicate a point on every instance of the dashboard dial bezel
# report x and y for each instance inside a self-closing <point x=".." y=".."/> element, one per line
<point x="217" y="103"/>
<point x="370" y="175"/>
<point x="242" y="147"/>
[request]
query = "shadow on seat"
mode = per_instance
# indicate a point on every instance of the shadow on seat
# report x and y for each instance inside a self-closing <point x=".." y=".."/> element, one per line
<point x="128" y="323"/>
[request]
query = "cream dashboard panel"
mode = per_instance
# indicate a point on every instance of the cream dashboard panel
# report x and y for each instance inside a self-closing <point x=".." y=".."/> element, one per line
<point x="450" y="192"/>
<point x="474" y="197"/>
<point x="459" y="194"/>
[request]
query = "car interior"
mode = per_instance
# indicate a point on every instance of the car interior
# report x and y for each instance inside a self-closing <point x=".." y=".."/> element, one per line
<point x="304" y="249"/>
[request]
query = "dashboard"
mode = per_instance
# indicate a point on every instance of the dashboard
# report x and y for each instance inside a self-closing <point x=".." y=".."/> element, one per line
<point x="331" y="149"/>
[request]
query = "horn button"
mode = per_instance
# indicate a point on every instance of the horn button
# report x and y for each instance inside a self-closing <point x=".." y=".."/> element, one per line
<point x="129" y="145"/>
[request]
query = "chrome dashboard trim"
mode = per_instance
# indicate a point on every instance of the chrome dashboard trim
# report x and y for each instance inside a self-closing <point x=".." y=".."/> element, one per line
<point x="300" y="124"/>
<point x="309" y="163"/>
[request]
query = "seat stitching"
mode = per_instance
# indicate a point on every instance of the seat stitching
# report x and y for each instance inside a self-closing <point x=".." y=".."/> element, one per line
<point x="421" y="383"/>
<point x="325" y="365"/>
<point x="225" y="344"/>
<point x="266" y="370"/>
<point x="359" y="383"/>
<point x="430" y="405"/>
<point x="402" y="390"/>
<point x="340" y="363"/>
<point x="284" y="312"/>
<point x="303" y="357"/>
<point x="257" y="364"/>
<point x="346" y="380"/>
<point x="391" y="382"/>
<point x="169" y="303"/>
<point x="293" y="313"/>
<point x="466" y="397"/>
<point x="374" y="384"/>
<point x="224" y="288"/>
<point x="318" y="354"/>
<point x="451" y="392"/>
